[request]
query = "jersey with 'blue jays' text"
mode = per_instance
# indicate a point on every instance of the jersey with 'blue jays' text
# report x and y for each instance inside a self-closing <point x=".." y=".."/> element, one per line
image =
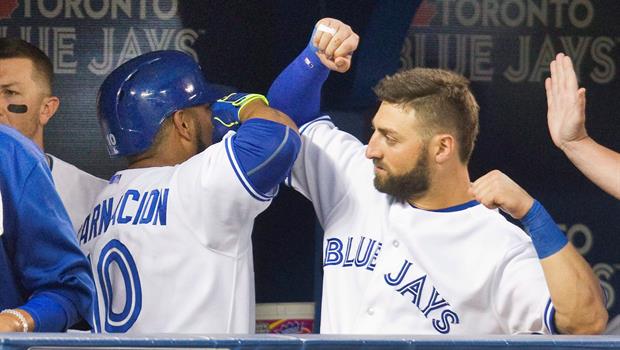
<point x="391" y="268"/>
<point x="170" y="246"/>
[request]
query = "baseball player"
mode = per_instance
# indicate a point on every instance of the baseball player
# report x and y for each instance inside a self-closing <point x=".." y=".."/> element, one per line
<point x="27" y="104"/>
<point x="408" y="246"/>
<point x="45" y="281"/>
<point x="169" y="238"/>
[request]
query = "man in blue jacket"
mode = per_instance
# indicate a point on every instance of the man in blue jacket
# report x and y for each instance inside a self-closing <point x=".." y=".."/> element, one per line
<point x="45" y="281"/>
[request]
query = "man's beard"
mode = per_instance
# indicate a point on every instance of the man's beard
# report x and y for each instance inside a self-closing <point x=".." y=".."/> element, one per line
<point x="200" y="145"/>
<point x="413" y="184"/>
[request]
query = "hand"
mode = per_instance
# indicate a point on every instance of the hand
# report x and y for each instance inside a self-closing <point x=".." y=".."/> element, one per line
<point x="566" y="103"/>
<point x="334" y="50"/>
<point x="10" y="323"/>
<point x="496" y="190"/>
<point x="228" y="112"/>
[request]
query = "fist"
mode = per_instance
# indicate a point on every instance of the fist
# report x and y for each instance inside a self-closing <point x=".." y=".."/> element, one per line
<point x="335" y="43"/>
<point x="496" y="190"/>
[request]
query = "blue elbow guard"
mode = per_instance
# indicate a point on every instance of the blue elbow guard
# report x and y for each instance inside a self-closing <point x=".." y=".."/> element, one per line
<point x="266" y="151"/>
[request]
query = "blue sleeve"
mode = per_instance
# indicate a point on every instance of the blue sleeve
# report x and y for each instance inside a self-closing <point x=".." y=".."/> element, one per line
<point x="297" y="90"/>
<point x="51" y="267"/>
<point x="265" y="152"/>
<point x="546" y="236"/>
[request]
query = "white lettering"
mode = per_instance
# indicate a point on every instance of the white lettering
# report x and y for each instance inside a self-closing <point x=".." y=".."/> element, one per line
<point x="63" y="45"/>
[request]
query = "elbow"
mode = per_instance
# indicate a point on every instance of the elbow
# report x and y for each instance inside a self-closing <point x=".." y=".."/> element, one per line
<point x="290" y="150"/>
<point x="597" y="325"/>
<point x="591" y="323"/>
<point x="599" y="322"/>
<point x="278" y="160"/>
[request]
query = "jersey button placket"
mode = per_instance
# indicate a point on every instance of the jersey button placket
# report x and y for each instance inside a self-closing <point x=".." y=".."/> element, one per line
<point x="370" y="311"/>
<point x="395" y="243"/>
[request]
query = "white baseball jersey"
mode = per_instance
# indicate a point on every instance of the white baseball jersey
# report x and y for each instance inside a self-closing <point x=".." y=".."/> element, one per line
<point x="171" y="249"/>
<point x="391" y="268"/>
<point x="77" y="189"/>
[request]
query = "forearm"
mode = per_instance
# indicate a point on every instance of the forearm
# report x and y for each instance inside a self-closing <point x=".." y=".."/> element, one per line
<point x="257" y="109"/>
<point x="575" y="291"/>
<point x="297" y="90"/>
<point x="600" y="164"/>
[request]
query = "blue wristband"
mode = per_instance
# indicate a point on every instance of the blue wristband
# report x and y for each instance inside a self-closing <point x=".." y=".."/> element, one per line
<point x="546" y="236"/>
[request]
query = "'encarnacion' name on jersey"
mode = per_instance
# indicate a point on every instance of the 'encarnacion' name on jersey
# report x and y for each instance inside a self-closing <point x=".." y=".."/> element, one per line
<point x="362" y="252"/>
<point x="134" y="208"/>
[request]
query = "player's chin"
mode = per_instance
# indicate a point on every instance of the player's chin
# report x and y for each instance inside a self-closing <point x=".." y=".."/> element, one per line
<point x="380" y="180"/>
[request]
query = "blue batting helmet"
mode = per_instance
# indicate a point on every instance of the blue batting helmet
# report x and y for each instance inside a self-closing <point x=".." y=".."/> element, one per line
<point x="139" y="95"/>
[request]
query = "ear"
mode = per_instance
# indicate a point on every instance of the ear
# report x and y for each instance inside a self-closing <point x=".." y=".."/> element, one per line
<point x="183" y="124"/>
<point x="444" y="147"/>
<point x="48" y="109"/>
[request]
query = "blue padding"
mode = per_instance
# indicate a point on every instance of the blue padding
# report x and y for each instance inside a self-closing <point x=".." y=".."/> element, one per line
<point x="265" y="151"/>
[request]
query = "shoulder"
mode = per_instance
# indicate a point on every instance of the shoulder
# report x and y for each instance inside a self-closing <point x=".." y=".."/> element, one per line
<point x="19" y="157"/>
<point x="496" y="227"/>
<point x="324" y="122"/>
<point x="15" y="146"/>
<point x="61" y="168"/>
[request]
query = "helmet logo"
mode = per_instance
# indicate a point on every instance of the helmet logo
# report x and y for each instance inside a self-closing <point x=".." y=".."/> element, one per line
<point x="111" y="139"/>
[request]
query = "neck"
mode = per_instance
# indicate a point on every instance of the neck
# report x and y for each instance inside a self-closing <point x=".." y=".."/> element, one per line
<point x="38" y="140"/>
<point x="157" y="160"/>
<point x="449" y="187"/>
<point x="169" y="152"/>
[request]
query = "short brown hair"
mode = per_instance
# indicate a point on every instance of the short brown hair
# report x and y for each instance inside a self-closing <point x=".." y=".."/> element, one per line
<point x="441" y="99"/>
<point x="17" y="48"/>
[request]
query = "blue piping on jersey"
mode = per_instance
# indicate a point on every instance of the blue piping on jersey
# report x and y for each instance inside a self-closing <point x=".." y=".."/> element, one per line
<point x="273" y="155"/>
<point x="459" y="207"/>
<point x="289" y="179"/>
<point x="319" y="119"/>
<point x="549" y="317"/>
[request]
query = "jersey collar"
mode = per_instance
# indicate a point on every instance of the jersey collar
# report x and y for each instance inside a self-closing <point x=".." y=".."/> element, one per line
<point x="458" y="207"/>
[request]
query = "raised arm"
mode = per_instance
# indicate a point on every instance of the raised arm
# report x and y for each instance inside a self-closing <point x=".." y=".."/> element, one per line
<point x="566" y="118"/>
<point x="575" y="291"/>
<point x="297" y="90"/>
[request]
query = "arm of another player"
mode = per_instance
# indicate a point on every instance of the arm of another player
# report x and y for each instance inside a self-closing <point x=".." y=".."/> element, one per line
<point x="266" y="143"/>
<point x="297" y="90"/>
<point x="52" y="269"/>
<point x="10" y="322"/>
<point x="566" y="118"/>
<point x="575" y="290"/>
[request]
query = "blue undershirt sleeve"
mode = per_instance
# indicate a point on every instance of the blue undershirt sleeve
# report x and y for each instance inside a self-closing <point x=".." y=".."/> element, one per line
<point x="297" y="90"/>
<point x="265" y="151"/>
